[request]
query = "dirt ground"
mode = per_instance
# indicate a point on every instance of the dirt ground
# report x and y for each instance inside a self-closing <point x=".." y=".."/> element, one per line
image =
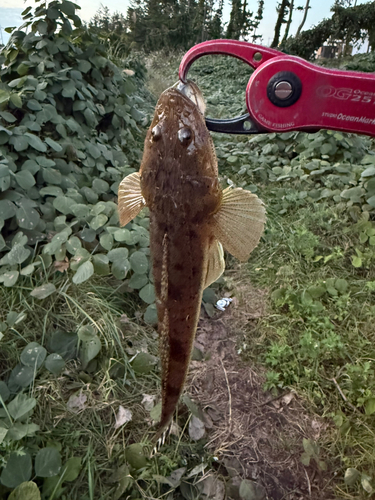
<point x="256" y="435"/>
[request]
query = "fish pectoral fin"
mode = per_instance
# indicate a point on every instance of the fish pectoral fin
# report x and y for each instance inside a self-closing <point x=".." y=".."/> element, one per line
<point x="215" y="263"/>
<point x="239" y="223"/>
<point x="130" y="199"/>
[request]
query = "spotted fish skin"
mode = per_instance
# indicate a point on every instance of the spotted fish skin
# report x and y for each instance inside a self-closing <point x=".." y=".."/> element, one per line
<point x="191" y="220"/>
<point x="179" y="182"/>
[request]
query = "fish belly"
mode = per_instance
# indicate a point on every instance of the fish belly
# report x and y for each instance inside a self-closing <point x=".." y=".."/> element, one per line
<point x="179" y="253"/>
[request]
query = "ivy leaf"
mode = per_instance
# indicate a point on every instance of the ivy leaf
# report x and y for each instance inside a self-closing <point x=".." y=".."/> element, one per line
<point x="54" y="363"/>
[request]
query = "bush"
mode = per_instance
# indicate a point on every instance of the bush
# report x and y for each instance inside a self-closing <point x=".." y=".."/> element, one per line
<point x="68" y="135"/>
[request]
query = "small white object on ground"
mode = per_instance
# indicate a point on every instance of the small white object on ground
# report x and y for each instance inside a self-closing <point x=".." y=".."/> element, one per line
<point x="222" y="304"/>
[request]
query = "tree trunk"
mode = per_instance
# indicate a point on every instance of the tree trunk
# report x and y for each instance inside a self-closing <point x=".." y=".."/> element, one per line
<point x="304" y="17"/>
<point x="289" y="22"/>
<point x="283" y="6"/>
<point x="243" y="19"/>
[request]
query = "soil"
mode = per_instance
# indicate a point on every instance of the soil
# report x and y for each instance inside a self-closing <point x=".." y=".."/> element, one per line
<point x="256" y="435"/>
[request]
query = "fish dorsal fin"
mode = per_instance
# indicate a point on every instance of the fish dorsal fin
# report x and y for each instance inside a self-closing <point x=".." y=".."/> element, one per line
<point x="215" y="263"/>
<point x="239" y="223"/>
<point x="130" y="199"/>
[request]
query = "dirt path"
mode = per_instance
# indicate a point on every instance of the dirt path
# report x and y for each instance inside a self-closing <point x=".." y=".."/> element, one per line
<point x="256" y="435"/>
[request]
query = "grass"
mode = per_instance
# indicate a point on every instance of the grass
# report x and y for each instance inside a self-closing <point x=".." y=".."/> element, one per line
<point x="315" y="338"/>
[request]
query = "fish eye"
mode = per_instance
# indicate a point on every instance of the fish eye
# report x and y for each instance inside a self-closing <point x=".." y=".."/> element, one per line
<point x="184" y="135"/>
<point x="156" y="133"/>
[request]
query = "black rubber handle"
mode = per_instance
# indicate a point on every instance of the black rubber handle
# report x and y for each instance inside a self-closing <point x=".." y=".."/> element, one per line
<point x="239" y="125"/>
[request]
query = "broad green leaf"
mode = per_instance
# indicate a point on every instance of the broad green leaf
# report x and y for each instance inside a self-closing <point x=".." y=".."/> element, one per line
<point x="120" y="269"/>
<point x="151" y="316"/>
<point x="143" y="363"/>
<point x="118" y="254"/>
<point x="370" y="406"/>
<point x="53" y="144"/>
<point x="10" y="278"/>
<point x="100" y="186"/>
<point x="36" y="143"/>
<point x="43" y="291"/>
<point x="84" y="272"/>
<point x="15" y="318"/>
<point x="135" y="456"/>
<point x="51" y="191"/>
<point x="250" y="490"/>
<point x="86" y="332"/>
<point x="64" y="343"/>
<point x="54" y="363"/>
<point x="147" y="293"/>
<point x="18" y="254"/>
<point x="4" y="391"/>
<point x="34" y="105"/>
<point x="71" y="469"/>
<point x="73" y="244"/>
<point x="139" y="262"/>
<point x="98" y="221"/>
<point x="20" y="406"/>
<point x="17" y="470"/>
<point x="369" y="172"/>
<point x="101" y="264"/>
<point x="7" y="209"/>
<point x="63" y="204"/>
<point x="25" y="179"/>
<point x="341" y="285"/>
<point x="47" y="462"/>
<point x="8" y="117"/>
<point x="356" y="261"/>
<point x="19" y="142"/>
<point x="351" y="476"/>
<point x="25" y="491"/>
<point x="80" y="210"/>
<point x="18" y="431"/>
<point x="33" y="355"/>
<point x="138" y="281"/>
<point x="23" y="375"/>
<point x="89" y="350"/>
<point x="27" y="218"/>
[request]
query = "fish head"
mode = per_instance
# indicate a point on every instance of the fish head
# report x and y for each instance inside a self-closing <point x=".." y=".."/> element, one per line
<point x="178" y="130"/>
<point x="179" y="160"/>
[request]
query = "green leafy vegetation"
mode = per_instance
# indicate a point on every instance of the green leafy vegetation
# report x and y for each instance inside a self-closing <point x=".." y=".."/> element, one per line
<point x="317" y="261"/>
<point x="68" y="136"/>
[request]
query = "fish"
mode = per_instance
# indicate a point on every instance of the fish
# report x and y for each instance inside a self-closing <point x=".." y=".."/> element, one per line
<point x="191" y="220"/>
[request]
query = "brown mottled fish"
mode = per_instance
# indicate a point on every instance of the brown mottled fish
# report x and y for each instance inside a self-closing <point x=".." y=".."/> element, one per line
<point x="191" y="220"/>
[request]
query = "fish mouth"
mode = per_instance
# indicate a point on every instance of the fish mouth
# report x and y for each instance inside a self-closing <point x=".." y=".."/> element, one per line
<point x="193" y="93"/>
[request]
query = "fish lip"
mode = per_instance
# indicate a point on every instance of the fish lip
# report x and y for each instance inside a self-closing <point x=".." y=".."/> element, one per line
<point x="183" y="89"/>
